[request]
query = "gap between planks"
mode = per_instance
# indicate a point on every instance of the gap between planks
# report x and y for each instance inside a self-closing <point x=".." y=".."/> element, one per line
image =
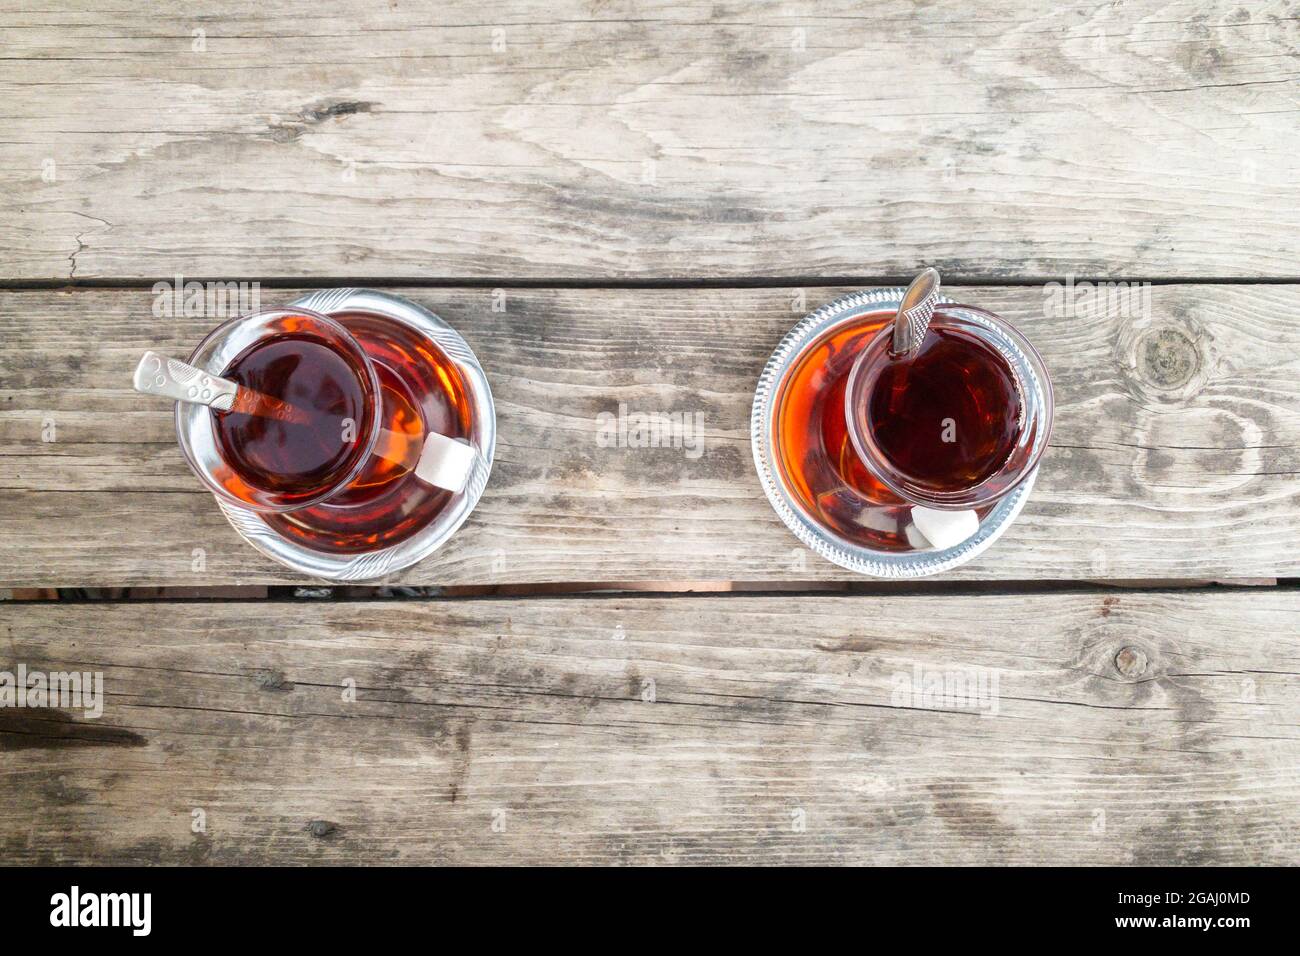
<point x="282" y="594"/>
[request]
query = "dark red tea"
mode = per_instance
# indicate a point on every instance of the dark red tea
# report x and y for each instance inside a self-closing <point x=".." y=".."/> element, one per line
<point x="948" y="416"/>
<point x="302" y="454"/>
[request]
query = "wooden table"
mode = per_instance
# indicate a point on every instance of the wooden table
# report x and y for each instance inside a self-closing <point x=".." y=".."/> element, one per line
<point x="624" y="656"/>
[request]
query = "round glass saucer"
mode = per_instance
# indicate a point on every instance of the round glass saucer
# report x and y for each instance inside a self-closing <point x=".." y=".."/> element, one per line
<point x="861" y="526"/>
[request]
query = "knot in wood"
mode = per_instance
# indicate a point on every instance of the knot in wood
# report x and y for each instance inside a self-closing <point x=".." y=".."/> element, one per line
<point x="322" y="828"/>
<point x="1131" y="661"/>
<point x="1167" y="358"/>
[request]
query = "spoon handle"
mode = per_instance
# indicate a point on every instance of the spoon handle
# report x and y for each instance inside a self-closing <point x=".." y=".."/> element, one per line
<point x="159" y="375"/>
<point x="915" y="312"/>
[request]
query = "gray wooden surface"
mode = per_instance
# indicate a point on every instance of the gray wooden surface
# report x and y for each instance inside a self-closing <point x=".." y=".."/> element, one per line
<point x="629" y="204"/>
<point x="650" y="139"/>
<point x="1156" y="727"/>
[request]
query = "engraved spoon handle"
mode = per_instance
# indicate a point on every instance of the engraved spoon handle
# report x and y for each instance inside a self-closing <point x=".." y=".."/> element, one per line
<point x="915" y="312"/>
<point x="159" y="375"/>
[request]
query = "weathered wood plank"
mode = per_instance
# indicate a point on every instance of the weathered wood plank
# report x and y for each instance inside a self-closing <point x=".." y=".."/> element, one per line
<point x="664" y="138"/>
<point x="1176" y="452"/>
<point x="1155" y="727"/>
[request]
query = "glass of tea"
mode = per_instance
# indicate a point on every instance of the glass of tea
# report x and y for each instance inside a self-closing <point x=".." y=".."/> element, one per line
<point x="956" y="423"/>
<point x="321" y="426"/>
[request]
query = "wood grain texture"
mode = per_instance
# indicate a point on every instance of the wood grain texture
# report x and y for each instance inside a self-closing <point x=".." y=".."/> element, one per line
<point x="666" y="138"/>
<point x="1152" y="728"/>
<point x="1176" y="452"/>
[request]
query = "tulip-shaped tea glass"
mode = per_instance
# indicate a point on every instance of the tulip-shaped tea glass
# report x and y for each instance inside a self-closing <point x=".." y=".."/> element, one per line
<point x="348" y="435"/>
<point x="311" y="422"/>
<point x="900" y="463"/>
